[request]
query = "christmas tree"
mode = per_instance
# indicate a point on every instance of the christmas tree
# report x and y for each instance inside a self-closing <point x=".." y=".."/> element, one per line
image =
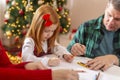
<point x="19" y="13"/>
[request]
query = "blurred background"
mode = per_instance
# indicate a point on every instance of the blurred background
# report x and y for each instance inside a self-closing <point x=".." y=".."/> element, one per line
<point x="16" y="16"/>
<point x="79" y="11"/>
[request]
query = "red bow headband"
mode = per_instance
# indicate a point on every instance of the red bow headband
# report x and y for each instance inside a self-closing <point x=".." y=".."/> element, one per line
<point x="48" y="22"/>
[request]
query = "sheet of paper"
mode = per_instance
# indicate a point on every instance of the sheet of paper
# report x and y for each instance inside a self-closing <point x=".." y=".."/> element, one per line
<point x="91" y="75"/>
<point x="88" y="74"/>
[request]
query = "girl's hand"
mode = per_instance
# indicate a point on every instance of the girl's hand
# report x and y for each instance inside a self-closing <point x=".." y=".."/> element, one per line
<point x="68" y="57"/>
<point x="35" y="66"/>
<point x="54" y="62"/>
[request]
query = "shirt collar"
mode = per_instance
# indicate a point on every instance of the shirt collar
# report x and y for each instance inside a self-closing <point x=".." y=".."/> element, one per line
<point x="99" y="22"/>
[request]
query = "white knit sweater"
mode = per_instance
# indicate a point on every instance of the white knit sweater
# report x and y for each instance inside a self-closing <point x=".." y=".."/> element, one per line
<point x="28" y="51"/>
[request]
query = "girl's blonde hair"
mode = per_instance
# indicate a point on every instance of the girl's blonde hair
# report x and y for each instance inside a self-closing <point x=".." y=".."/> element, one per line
<point x="37" y="26"/>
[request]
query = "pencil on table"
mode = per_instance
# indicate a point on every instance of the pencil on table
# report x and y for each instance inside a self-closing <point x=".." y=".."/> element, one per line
<point x="98" y="76"/>
<point x="80" y="71"/>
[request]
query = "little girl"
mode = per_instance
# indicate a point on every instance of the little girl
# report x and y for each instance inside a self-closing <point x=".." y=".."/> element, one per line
<point x="41" y="38"/>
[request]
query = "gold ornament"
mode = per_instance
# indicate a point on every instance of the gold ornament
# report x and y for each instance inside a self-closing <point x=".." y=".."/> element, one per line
<point x="29" y="7"/>
<point x="14" y="3"/>
<point x="7" y="15"/>
<point x="40" y="2"/>
<point x="8" y="33"/>
<point x="14" y="59"/>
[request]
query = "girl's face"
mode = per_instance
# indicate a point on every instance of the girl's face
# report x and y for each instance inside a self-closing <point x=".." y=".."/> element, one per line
<point x="48" y="32"/>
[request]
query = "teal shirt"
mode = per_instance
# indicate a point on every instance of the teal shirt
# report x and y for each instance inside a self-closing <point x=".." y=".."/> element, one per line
<point x="105" y="46"/>
<point x="91" y="34"/>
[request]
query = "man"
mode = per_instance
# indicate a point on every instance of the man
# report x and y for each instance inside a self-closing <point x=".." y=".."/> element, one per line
<point x="100" y="39"/>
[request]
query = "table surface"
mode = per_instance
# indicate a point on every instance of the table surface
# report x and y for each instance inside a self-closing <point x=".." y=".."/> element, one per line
<point x="113" y="73"/>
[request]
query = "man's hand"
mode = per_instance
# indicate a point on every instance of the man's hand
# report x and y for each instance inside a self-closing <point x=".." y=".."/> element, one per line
<point x="103" y="62"/>
<point x="78" y="49"/>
